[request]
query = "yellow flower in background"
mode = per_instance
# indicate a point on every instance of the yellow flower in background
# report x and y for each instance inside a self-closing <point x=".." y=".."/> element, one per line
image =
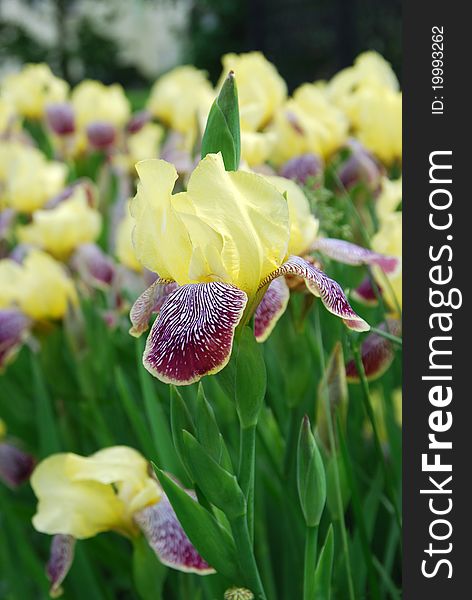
<point x="10" y="274"/>
<point x="308" y="122"/>
<point x="82" y="496"/>
<point x="61" y="229"/>
<point x="145" y="143"/>
<point x="179" y="97"/>
<point x="389" y="198"/>
<point x="257" y="146"/>
<point x="261" y="90"/>
<point x="388" y="240"/>
<point x="124" y="250"/>
<point x="44" y="289"/>
<point x="370" y="69"/>
<point x="33" y="88"/>
<point x="7" y="114"/>
<point x="93" y="101"/>
<point x="303" y="225"/>
<point x="376" y="117"/>
<point x="28" y="180"/>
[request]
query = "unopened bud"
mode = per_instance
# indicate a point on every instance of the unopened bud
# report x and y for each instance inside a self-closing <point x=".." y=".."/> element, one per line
<point x="304" y="169"/>
<point x="60" y="561"/>
<point x="60" y="118"/>
<point x="101" y="135"/>
<point x="238" y="594"/>
<point x="311" y="477"/>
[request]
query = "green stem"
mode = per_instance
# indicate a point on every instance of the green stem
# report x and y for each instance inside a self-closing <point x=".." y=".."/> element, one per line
<point x="246" y="556"/>
<point x="311" y="544"/>
<point x="378" y="446"/>
<point x="387" y="336"/>
<point x="247" y="459"/>
<point x="332" y="444"/>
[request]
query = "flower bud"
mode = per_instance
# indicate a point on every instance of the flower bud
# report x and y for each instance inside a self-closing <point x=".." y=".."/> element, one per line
<point x="13" y="329"/>
<point x="60" y="561"/>
<point x="101" y="135"/>
<point x="360" y="167"/>
<point x="16" y="466"/>
<point x="94" y="266"/>
<point x="238" y="594"/>
<point x="60" y="118"/>
<point x="303" y="169"/>
<point x="311" y="477"/>
<point x="137" y="121"/>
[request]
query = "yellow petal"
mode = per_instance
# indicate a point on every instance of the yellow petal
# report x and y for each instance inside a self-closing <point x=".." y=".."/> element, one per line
<point x="78" y="508"/>
<point x="303" y="225"/>
<point x="249" y="214"/>
<point x="160" y="239"/>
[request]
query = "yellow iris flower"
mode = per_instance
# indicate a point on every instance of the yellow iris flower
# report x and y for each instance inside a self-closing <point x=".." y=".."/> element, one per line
<point x="61" y="229"/>
<point x="216" y="248"/>
<point x="33" y="88"/>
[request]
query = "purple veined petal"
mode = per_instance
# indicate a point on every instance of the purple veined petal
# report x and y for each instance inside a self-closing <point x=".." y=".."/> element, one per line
<point x="169" y="541"/>
<point x="323" y="287"/>
<point x="14" y="326"/>
<point x="149" y="302"/>
<point x="61" y="556"/>
<point x="16" y="465"/>
<point x="271" y="308"/>
<point x="101" y="135"/>
<point x="377" y="353"/>
<point x="365" y="292"/>
<point x="60" y="118"/>
<point x="193" y="333"/>
<point x="352" y="254"/>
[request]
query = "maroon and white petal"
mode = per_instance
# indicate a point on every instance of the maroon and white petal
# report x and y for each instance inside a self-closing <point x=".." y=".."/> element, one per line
<point x="60" y="561"/>
<point x="352" y="254"/>
<point x="169" y="541"/>
<point x="149" y="302"/>
<point x="193" y="333"/>
<point x="271" y="308"/>
<point x="377" y="353"/>
<point x="365" y="292"/>
<point x="322" y="286"/>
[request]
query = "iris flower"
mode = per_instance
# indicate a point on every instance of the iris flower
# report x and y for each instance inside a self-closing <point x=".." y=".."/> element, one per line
<point x="79" y="497"/>
<point x="216" y="249"/>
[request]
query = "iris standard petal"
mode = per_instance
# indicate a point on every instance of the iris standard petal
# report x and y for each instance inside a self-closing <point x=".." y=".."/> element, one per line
<point x="271" y="308"/>
<point x="352" y="254"/>
<point x="322" y="286"/>
<point x="61" y="556"/>
<point x="193" y="333"/>
<point x="149" y="302"/>
<point x="169" y="541"/>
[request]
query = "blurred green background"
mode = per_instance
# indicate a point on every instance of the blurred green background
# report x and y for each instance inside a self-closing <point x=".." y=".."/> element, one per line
<point x="133" y="41"/>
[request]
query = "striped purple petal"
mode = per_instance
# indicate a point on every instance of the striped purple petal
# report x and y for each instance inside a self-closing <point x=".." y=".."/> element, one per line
<point x="193" y="333"/>
<point x="377" y="353"/>
<point x="352" y="254"/>
<point x="271" y="308"/>
<point x="322" y="286"/>
<point x="169" y="541"/>
<point x="60" y="561"/>
<point x="365" y="292"/>
<point x="149" y="302"/>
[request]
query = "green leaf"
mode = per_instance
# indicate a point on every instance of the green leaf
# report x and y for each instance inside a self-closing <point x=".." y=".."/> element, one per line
<point x="49" y="441"/>
<point x="251" y="379"/>
<point x="324" y="568"/>
<point x="148" y="573"/>
<point x="222" y="132"/>
<point x="180" y="420"/>
<point x="208" y="433"/>
<point x="208" y="536"/>
<point x="311" y="477"/>
<point x="220" y="487"/>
